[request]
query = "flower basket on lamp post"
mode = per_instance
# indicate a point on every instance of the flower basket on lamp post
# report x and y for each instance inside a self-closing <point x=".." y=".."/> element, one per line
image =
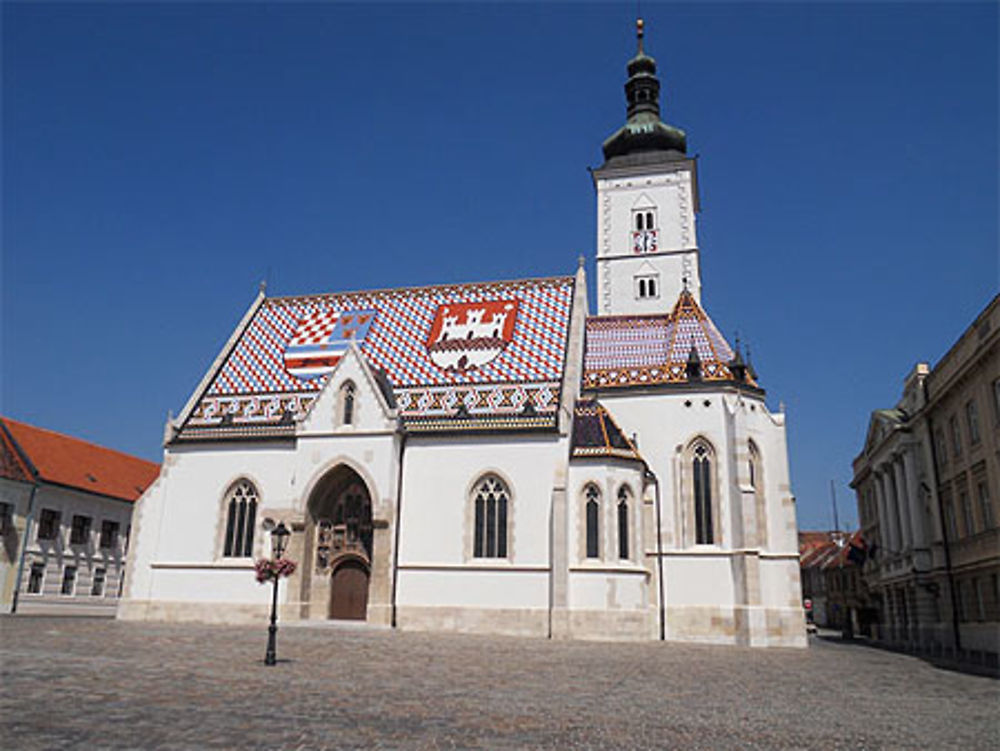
<point x="272" y="569"/>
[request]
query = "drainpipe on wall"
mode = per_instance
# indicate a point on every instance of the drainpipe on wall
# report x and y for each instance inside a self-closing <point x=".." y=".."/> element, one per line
<point x="24" y="546"/>
<point x="398" y="520"/>
<point x="659" y="554"/>
<point x="944" y="527"/>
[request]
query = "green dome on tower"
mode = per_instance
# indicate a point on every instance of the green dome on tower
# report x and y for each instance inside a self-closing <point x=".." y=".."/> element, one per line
<point x="644" y="137"/>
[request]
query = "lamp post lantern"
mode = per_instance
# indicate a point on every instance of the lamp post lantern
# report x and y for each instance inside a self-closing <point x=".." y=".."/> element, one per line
<point x="279" y="540"/>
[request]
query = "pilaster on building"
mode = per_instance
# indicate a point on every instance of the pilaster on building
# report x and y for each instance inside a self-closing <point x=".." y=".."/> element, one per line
<point x="927" y="485"/>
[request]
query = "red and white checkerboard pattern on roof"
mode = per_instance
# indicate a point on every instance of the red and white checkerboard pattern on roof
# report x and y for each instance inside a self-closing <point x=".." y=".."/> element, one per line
<point x="643" y="350"/>
<point x="397" y="340"/>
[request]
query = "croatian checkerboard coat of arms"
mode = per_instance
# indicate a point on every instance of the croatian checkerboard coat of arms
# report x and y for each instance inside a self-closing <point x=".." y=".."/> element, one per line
<point x="466" y="336"/>
<point x="322" y="338"/>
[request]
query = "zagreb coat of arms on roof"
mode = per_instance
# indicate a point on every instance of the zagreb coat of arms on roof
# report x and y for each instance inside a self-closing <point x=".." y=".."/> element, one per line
<point x="466" y="336"/>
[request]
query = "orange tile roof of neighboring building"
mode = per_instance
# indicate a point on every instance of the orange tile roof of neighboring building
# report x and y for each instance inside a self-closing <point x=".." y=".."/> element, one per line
<point x="843" y="554"/>
<point x="12" y="464"/>
<point x="64" y="460"/>
<point x="818" y="555"/>
<point x="811" y="538"/>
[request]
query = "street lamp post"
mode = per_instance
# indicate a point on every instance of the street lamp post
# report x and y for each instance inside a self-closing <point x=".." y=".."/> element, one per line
<point x="279" y="539"/>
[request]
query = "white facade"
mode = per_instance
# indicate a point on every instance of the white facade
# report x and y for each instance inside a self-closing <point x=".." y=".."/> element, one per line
<point x="72" y="566"/>
<point x="491" y="481"/>
<point x="631" y="253"/>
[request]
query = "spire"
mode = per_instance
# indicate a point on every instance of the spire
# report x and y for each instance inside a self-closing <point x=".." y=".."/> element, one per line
<point x="750" y="368"/>
<point x="644" y="131"/>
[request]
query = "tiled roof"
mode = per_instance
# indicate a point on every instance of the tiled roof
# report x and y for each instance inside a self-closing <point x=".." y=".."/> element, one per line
<point x="12" y="465"/>
<point x="63" y="460"/>
<point x="842" y="556"/>
<point x="449" y="351"/>
<point x="640" y="350"/>
<point x="818" y="554"/>
<point x="595" y="433"/>
<point x="828" y="549"/>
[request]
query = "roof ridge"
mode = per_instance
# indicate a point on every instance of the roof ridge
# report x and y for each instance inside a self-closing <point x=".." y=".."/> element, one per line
<point x="421" y="287"/>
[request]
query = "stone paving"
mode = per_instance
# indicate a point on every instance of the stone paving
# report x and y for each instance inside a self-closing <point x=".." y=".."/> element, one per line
<point x="96" y="683"/>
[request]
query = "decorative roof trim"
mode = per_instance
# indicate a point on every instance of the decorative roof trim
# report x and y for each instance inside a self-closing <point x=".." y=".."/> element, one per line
<point x="544" y="422"/>
<point x="649" y="349"/>
<point x="219" y="361"/>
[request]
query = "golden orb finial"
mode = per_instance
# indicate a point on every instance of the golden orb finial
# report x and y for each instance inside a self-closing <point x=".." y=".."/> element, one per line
<point x="639" y="25"/>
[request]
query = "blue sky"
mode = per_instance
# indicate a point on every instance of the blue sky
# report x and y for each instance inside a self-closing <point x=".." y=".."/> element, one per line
<point x="160" y="160"/>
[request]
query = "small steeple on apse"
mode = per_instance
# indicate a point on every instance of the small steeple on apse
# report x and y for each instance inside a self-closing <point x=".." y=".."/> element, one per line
<point x="646" y="202"/>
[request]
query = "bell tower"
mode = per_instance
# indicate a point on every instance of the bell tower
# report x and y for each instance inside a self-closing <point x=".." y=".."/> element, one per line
<point x="647" y="197"/>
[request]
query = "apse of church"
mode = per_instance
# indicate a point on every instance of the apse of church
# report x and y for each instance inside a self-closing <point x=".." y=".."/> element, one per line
<point x="492" y="457"/>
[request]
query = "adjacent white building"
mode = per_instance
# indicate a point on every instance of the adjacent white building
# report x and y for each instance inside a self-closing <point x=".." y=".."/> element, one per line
<point x="492" y="457"/>
<point x="65" y="515"/>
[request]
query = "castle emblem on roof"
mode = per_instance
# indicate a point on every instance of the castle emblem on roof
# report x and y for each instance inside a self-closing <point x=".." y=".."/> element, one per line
<point x="321" y="339"/>
<point x="466" y="336"/>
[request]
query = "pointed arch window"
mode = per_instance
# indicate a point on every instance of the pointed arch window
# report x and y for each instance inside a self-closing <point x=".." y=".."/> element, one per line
<point x="348" y="394"/>
<point x="241" y="515"/>
<point x="624" y="495"/>
<point x="592" y="510"/>
<point x="701" y="466"/>
<point x="491" y="500"/>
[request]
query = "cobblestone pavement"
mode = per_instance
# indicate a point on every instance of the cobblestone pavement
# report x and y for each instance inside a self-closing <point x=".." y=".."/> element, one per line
<point x="94" y="683"/>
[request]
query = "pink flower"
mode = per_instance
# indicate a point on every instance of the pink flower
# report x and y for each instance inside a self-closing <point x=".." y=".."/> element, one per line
<point x="268" y="569"/>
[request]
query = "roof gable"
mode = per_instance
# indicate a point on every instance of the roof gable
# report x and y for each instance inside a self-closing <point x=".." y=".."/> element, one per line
<point x="13" y="465"/>
<point x="64" y="460"/>
<point x="371" y="410"/>
<point x="641" y="350"/>
<point x="449" y="351"/>
<point x="880" y="425"/>
<point x="595" y="433"/>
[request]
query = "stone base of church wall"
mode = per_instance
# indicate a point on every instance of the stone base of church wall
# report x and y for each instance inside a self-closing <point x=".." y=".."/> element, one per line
<point x="747" y="626"/>
<point x="786" y="627"/>
<point x="605" y="625"/>
<point x="509" y="622"/>
<point x="201" y="612"/>
<point x="702" y="624"/>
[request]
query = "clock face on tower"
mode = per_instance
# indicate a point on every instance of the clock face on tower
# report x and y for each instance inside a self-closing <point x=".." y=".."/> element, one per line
<point x="644" y="241"/>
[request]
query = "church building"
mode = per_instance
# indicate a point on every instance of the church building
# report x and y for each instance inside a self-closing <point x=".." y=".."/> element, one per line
<point x="493" y="457"/>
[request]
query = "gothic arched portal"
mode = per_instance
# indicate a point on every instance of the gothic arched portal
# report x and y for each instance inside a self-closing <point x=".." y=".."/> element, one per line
<point x="339" y="537"/>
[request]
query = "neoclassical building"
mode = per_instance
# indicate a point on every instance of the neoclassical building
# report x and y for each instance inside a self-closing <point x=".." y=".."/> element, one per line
<point x="927" y="484"/>
<point x="491" y="456"/>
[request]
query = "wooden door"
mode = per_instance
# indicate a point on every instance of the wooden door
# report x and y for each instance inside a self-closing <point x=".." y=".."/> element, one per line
<point x="349" y="592"/>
